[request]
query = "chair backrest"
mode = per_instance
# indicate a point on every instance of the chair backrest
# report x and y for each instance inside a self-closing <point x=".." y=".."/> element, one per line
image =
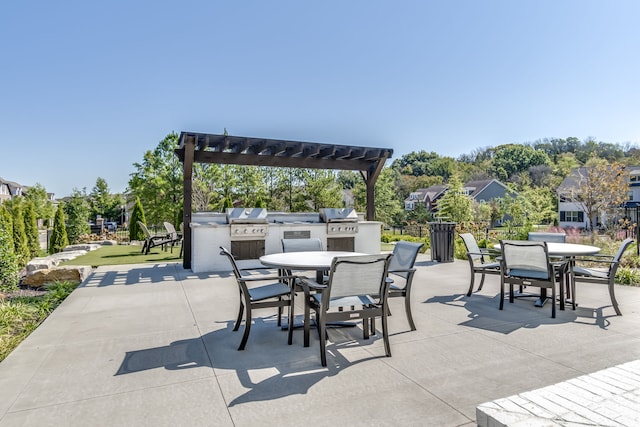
<point x="472" y="246"/>
<point x="537" y="236"/>
<point x="301" y="245"/>
<point x="404" y="257"/>
<point x="618" y="256"/>
<point x="171" y="230"/>
<point x="356" y="275"/>
<point x="232" y="260"/>
<point x="524" y="258"/>
<point x="145" y="230"/>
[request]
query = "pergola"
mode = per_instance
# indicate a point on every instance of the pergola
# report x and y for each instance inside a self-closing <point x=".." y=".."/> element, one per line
<point x="241" y="150"/>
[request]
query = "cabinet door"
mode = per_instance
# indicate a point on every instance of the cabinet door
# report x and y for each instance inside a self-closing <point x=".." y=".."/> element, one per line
<point x="248" y="249"/>
<point x="346" y="244"/>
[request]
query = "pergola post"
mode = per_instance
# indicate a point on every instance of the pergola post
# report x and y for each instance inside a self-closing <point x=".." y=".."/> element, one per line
<point x="189" y="149"/>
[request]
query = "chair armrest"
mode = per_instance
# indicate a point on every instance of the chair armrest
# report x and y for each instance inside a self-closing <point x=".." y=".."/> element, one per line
<point x="407" y="270"/>
<point x="264" y="278"/>
<point x="309" y="284"/>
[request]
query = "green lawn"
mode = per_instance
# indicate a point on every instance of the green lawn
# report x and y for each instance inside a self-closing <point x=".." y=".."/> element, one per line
<point x="124" y="254"/>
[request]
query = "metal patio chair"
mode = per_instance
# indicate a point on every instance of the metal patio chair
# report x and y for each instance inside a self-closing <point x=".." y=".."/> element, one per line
<point x="605" y="276"/>
<point x="152" y="240"/>
<point x="278" y="294"/>
<point x="478" y="261"/>
<point x="357" y="290"/>
<point x="401" y="266"/>
<point x="526" y="263"/>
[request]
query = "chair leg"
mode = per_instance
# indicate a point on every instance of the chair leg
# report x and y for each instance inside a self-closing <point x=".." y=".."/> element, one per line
<point x="247" y="328"/>
<point x="279" y="313"/>
<point x="385" y="335"/>
<point x="239" y="319"/>
<point x="323" y="339"/>
<point x="291" y="316"/>
<point x="511" y="296"/>
<point x="553" y="301"/>
<point x="612" y="295"/>
<point x="473" y="277"/>
<point x="501" y="293"/>
<point x="407" y="308"/>
<point x="481" y="282"/>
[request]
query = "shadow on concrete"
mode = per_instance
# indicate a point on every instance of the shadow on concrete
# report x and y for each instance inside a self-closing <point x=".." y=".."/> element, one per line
<point x="284" y="370"/>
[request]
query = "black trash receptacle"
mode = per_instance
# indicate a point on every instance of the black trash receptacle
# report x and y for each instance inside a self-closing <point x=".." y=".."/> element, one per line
<point x="442" y="240"/>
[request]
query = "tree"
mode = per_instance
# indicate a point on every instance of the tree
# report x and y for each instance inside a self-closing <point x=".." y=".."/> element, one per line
<point x="77" y="211"/>
<point x="157" y="182"/>
<point x="388" y="208"/>
<point x="7" y="219"/>
<point x="41" y="202"/>
<point x="135" y="231"/>
<point x="21" y="248"/>
<point x="31" y="229"/>
<point x="510" y="159"/>
<point x="321" y="190"/>
<point x="597" y="187"/>
<point x="104" y="203"/>
<point x="9" y="270"/>
<point x="455" y="205"/>
<point x="59" y="239"/>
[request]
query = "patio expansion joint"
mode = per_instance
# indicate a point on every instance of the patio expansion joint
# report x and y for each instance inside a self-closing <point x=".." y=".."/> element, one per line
<point x="209" y="357"/>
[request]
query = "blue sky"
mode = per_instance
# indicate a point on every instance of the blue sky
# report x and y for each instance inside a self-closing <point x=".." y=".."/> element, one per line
<point x="87" y="87"/>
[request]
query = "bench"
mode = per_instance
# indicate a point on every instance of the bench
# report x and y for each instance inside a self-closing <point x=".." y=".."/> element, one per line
<point x="610" y="397"/>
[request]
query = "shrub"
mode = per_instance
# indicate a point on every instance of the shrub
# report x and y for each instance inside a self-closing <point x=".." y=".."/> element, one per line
<point x="388" y="238"/>
<point x="9" y="270"/>
<point x="627" y="276"/>
<point x="19" y="236"/>
<point x="137" y="214"/>
<point x="31" y="229"/>
<point x="59" y="238"/>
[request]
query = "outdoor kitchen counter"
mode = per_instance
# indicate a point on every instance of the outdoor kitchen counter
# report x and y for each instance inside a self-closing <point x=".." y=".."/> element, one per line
<point x="207" y="235"/>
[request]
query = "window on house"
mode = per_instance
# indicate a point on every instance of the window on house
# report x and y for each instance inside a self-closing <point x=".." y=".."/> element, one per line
<point x="572" y="216"/>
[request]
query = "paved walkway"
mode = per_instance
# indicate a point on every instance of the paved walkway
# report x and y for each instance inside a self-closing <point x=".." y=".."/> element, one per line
<point x="152" y="345"/>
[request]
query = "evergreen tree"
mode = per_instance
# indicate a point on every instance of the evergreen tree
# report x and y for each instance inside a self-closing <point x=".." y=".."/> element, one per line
<point x="77" y="213"/>
<point x="7" y="219"/>
<point x="19" y="236"/>
<point x="31" y="229"/>
<point x="9" y="270"/>
<point x="135" y="231"/>
<point x="59" y="239"/>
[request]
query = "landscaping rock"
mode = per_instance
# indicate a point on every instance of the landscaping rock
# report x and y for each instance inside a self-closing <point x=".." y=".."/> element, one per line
<point x="41" y="264"/>
<point x="66" y="255"/>
<point x="109" y="243"/>
<point x="67" y="273"/>
<point x="82" y="247"/>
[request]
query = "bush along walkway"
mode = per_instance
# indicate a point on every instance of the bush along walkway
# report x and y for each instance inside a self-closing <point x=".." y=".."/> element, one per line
<point x="22" y="311"/>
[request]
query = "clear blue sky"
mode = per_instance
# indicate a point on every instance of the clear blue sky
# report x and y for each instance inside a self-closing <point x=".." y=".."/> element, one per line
<point x="87" y="87"/>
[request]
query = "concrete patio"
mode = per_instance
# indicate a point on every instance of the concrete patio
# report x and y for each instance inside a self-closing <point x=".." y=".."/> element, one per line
<point x="152" y="345"/>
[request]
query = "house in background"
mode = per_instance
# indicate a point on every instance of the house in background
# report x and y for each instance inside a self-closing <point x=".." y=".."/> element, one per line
<point x="574" y="214"/>
<point x="481" y="191"/>
<point x="10" y="189"/>
<point x="427" y="197"/>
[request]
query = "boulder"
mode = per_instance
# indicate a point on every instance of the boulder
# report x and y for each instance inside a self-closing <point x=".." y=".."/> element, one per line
<point x="66" y="256"/>
<point x="75" y="273"/>
<point x="82" y="247"/>
<point x="41" y="264"/>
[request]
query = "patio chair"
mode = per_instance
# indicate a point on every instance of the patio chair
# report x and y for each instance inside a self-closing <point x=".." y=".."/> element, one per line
<point x="606" y="275"/>
<point x="402" y="266"/>
<point x="357" y="289"/>
<point x="541" y="236"/>
<point x="152" y="240"/>
<point x="478" y="261"/>
<point x="526" y="263"/>
<point x="173" y="235"/>
<point x="304" y="245"/>
<point x="278" y="294"/>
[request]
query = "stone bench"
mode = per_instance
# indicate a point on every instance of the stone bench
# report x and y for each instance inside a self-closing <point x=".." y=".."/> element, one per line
<point x="610" y="397"/>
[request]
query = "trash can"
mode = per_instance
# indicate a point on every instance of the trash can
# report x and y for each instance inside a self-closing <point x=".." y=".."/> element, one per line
<point x="442" y="240"/>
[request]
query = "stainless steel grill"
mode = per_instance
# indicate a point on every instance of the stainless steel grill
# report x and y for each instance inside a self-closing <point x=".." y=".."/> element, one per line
<point x="340" y="221"/>
<point x="247" y="223"/>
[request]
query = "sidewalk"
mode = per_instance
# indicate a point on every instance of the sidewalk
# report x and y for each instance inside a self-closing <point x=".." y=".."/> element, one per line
<point x="152" y="345"/>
